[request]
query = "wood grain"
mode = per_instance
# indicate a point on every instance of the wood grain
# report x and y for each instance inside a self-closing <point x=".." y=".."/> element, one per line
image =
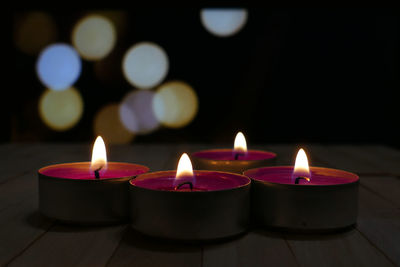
<point x="379" y="215"/>
<point x="22" y="191"/>
<point x="138" y="250"/>
<point x="65" y="245"/>
<point x="379" y="222"/>
<point x="257" y="248"/>
<point x="26" y="238"/>
<point x="345" y="249"/>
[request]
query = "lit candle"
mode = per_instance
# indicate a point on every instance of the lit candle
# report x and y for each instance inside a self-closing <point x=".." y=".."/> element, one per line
<point x="190" y="205"/>
<point x="234" y="160"/>
<point x="87" y="192"/>
<point x="304" y="198"/>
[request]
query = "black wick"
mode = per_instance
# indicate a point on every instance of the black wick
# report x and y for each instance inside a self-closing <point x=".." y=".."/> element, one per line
<point x="296" y="181"/>
<point x="96" y="173"/>
<point x="182" y="184"/>
<point x="237" y="155"/>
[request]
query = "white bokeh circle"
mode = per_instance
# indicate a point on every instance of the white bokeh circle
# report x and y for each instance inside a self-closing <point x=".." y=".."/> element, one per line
<point x="136" y="112"/>
<point x="145" y="65"/>
<point x="223" y="22"/>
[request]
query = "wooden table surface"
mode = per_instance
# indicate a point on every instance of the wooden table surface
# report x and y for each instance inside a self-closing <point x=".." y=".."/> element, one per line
<point x="29" y="239"/>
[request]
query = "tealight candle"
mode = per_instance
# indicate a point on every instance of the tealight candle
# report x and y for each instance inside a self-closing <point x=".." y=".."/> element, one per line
<point x="304" y="199"/>
<point x="190" y="205"/>
<point x="236" y="160"/>
<point x="93" y="192"/>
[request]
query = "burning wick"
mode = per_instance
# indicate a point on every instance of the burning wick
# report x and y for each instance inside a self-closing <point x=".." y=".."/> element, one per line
<point x="301" y="167"/>
<point x="296" y="181"/>
<point x="99" y="157"/>
<point x="239" y="146"/>
<point x="182" y="184"/>
<point x="96" y="173"/>
<point x="237" y="155"/>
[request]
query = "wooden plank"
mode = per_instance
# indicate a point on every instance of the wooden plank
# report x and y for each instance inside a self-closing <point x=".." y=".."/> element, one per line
<point x="286" y="154"/>
<point x="134" y="250"/>
<point x="138" y="250"/>
<point x="388" y="159"/>
<point x="91" y="246"/>
<point x="363" y="160"/>
<point x="65" y="245"/>
<point x="20" y="226"/>
<point x="379" y="218"/>
<point x="15" y="161"/>
<point x="153" y="156"/>
<point x="379" y="222"/>
<point x="345" y="249"/>
<point x="258" y="248"/>
<point x="387" y="187"/>
<point x="32" y="157"/>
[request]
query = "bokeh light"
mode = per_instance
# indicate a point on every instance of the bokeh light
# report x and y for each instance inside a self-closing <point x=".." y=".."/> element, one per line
<point x="33" y="31"/>
<point x="223" y="22"/>
<point x="94" y="37"/>
<point x="61" y="110"/>
<point x="58" y="66"/>
<point x="108" y="125"/>
<point x="145" y="65"/>
<point x="175" y="104"/>
<point x="136" y="112"/>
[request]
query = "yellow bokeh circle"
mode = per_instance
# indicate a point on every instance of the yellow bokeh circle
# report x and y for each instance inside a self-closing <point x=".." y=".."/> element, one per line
<point x="108" y="125"/>
<point x="61" y="110"/>
<point x="94" y="37"/>
<point x="175" y="104"/>
<point x="33" y="31"/>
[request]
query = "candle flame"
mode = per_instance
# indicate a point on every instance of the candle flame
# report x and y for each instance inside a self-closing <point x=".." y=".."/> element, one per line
<point x="240" y="144"/>
<point x="99" y="155"/>
<point x="301" y="165"/>
<point x="185" y="168"/>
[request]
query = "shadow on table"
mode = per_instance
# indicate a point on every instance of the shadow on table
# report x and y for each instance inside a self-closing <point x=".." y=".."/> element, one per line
<point x="136" y="239"/>
<point x="37" y="220"/>
<point x="290" y="235"/>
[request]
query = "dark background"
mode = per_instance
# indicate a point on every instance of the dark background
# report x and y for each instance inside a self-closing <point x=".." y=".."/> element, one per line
<point x="290" y="75"/>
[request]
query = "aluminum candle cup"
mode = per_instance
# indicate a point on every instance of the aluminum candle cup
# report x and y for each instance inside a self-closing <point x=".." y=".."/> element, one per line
<point x="230" y="161"/>
<point x="325" y="203"/>
<point x="217" y="206"/>
<point x="71" y="193"/>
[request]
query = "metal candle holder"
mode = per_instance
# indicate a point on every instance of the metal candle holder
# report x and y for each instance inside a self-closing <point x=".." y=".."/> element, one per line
<point x="190" y="215"/>
<point x="84" y="201"/>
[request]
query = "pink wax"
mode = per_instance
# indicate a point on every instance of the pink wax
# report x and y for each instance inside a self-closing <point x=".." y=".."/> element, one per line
<point x="202" y="181"/>
<point x="81" y="170"/>
<point x="319" y="176"/>
<point x="229" y="154"/>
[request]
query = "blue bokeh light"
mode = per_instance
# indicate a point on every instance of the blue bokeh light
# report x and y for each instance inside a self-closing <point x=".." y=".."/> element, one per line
<point x="58" y="66"/>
